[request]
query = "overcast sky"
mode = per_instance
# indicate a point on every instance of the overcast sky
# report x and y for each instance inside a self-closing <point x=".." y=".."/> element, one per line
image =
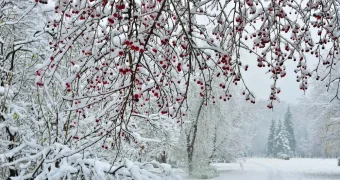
<point x="259" y="82"/>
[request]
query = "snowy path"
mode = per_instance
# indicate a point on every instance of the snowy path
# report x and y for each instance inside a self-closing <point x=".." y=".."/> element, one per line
<point x="276" y="169"/>
<point x="271" y="172"/>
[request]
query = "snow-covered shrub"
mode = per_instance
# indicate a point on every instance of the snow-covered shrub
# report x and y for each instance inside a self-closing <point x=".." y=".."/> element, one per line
<point x="204" y="172"/>
<point x="283" y="156"/>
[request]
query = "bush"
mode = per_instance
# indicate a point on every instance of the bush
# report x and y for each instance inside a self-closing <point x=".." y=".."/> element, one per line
<point x="283" y="156"/>
<point x="204" y="172"/>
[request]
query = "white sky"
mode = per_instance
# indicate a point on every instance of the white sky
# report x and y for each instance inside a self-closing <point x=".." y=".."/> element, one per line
<point x="260" y="83"/>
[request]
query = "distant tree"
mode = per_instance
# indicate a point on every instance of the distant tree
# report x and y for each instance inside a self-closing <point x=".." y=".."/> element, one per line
<point x="277" y="144"/>
<point x="288" y="123"/>
<point x="322" y="112"/>
<point x="281" y="142"/>
<point x="283" y="135"/>
<point x="270" y="146"/>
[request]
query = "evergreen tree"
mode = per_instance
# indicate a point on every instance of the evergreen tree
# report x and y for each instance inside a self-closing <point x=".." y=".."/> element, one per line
<point x="283" y="135"/>
<point x="270" y="147"/>
<point x="288" y="123"/>
<point x="277" y="143"/>
<point x="281" y="142"/>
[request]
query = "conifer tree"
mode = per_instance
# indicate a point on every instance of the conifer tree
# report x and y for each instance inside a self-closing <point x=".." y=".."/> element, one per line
<point x="277" y="143"/>
<point x="288" y="123"/>
<point x="270" y="146"/>
<point x="283" y="135"/>
<point x="281" y="142"/>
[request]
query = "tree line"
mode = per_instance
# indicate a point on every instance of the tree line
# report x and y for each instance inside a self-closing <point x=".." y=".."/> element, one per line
<point x="281" y="138"/>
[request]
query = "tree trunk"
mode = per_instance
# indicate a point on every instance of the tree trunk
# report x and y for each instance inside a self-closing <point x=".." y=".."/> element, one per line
<point x="12" y="172"/>
<point x="163" y="157"/>
<point x="339" y="162"/>
<point x="191" y="141"/>
<point x="190" y="165"/>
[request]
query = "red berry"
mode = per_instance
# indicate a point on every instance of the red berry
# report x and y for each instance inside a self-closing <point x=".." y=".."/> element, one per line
<point x="110" y="20"/>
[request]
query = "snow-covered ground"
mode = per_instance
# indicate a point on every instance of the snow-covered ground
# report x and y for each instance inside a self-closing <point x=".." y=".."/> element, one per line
<point x="276" y="169"/>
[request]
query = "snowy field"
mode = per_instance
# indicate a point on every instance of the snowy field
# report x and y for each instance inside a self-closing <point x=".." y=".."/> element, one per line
<point x="276" y="169"/>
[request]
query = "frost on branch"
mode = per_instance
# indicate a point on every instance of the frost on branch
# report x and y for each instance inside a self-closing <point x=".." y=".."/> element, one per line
<point x="132" y="53"/>
<point x="116" y="62"/>
<point x="118" y="74"/>
<point x="20" y="49"/>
